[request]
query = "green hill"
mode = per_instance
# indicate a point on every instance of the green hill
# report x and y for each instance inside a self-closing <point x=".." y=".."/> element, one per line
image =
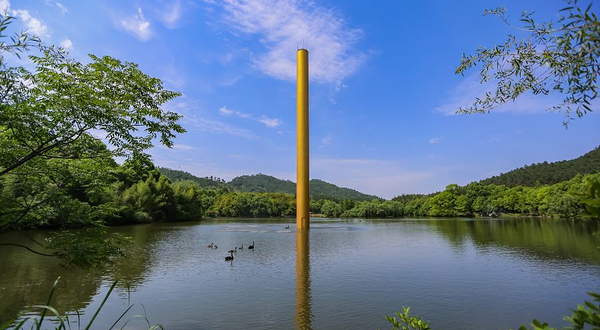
<point x="262" y="183"/>
<point x="206" y="182"/>
<point x="549" y="173"/>
<point x="319" y="189"/>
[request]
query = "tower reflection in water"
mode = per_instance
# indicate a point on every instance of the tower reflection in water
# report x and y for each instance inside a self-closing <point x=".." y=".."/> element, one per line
<point x="303" y="314"/>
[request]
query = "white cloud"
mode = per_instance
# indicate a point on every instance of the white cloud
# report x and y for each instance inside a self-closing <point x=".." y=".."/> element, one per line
<point x="270" y="122"/>
<point x="138" y="26"/>
<point x="284" y="25"/>
<point x="215" y="126"/>
<point x="325" y="141"/>
<point x="434" y="140"/>
<point x="170" y="17"/>
<point x="177" y="146"/>
<point x="188" y="109"/>
<point x="467" y="90"/>
<point x="4" y="6"/>
<point x="224" y="111"/>
<point x="33" y="24"/>
<point x="58" y="5"/>
<point x="62" y="7"/>
<point x="67" y="44"/>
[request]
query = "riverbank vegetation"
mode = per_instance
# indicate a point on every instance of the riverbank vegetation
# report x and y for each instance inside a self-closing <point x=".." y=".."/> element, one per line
<point x="62" y="124"/>
<point x="585" y="316"/>
<point x="567" y="199"/>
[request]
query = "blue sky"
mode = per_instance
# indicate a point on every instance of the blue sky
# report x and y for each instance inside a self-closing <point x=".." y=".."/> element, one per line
<point x="382" y="94"/>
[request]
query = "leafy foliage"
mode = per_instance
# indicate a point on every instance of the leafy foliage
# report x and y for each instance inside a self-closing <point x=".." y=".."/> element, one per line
<point x="567" y="199"/>
<point x="55" y="174"/>
<point x="407" y="322"/>
<point x="586" y="316"/>
<point x="91" y="247"/>
<point x="46" y="113"/>
<point x="561" y="57"/>
<point x="64" y="320"/>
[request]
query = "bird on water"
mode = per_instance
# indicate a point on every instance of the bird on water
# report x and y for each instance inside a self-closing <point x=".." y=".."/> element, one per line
<point x="251" y="247"/>
<point x="229" y="258"/>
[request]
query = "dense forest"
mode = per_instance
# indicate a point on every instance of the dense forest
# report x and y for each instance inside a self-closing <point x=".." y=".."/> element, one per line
<point x="549" y="173"/>
<point x="265" y="196"/>
<point x="203" y="182"/>
<point x="319" y="189"/>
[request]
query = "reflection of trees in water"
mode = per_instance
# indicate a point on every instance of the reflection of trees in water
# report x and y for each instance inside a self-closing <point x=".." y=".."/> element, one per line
<point x="541" y="238"/>
<point x="303" y="303"/>
<point x="27" y="278"/>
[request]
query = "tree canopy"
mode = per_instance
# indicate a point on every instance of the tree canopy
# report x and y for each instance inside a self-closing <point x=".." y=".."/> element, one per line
<point x="549" y="173"/>
<point x="549" y="57"/>
<point x="54" y="173"/>
<point x="50" y="112"/>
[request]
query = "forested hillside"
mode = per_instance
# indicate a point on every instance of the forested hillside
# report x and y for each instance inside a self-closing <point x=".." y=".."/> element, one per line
<point x="206" y="182"/>
<point x="319" y="189"/>
<point x="549" y="173"/>
<point x="262" y="183"/>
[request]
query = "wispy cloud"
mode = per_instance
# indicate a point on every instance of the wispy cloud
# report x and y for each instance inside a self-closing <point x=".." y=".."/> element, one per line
<point x="283" y="25"/>
<point x="138" y="26"/>
<point x="269" y="122"/>
<point x="178" y="146"/>
<point x="62" y="7"/>
<point x="215" y="126"/>
<point x="34" y="25"/>
<point x="58" y="5"/>
<point x="171" y="15"/>
<point x="435" y="140"/>
<point x="325" y="141"/>
<point x="189" y="109"/>
<point x="4" y="6"/>
<point x="464" y="94"/>
<point x="67" y="44"/>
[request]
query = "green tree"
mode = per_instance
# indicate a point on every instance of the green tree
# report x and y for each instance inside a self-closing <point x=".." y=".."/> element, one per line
<point x="45" y="113"/>
<point x="53" y="172"/>
<point x="561" y="57"/>
<point x="331" y="209"/>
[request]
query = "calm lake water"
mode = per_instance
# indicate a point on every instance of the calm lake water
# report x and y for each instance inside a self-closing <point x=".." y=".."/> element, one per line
<point x="344" y="274"/>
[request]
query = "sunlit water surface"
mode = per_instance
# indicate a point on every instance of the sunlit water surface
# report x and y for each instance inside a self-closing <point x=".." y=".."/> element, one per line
<point x="344" y="274"/>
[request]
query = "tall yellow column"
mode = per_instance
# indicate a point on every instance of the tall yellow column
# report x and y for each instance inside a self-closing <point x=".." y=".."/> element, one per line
<point x="302" y="177"/>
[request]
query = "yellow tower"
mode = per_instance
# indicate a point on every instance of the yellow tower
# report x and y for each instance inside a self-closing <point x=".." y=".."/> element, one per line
<point x="302" y="177"/>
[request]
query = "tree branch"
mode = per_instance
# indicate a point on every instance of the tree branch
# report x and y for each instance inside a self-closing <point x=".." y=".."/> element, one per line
<point x="27" y="248"/>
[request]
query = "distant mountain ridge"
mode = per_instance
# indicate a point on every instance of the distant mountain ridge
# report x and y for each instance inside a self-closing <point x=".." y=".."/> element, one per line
<point x="205" y="182"/>
<point x="549" y="173"/>
<point x="319" y="189"/>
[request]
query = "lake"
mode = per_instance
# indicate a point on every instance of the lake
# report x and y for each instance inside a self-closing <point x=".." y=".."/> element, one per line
<point x="343" y="274"/>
